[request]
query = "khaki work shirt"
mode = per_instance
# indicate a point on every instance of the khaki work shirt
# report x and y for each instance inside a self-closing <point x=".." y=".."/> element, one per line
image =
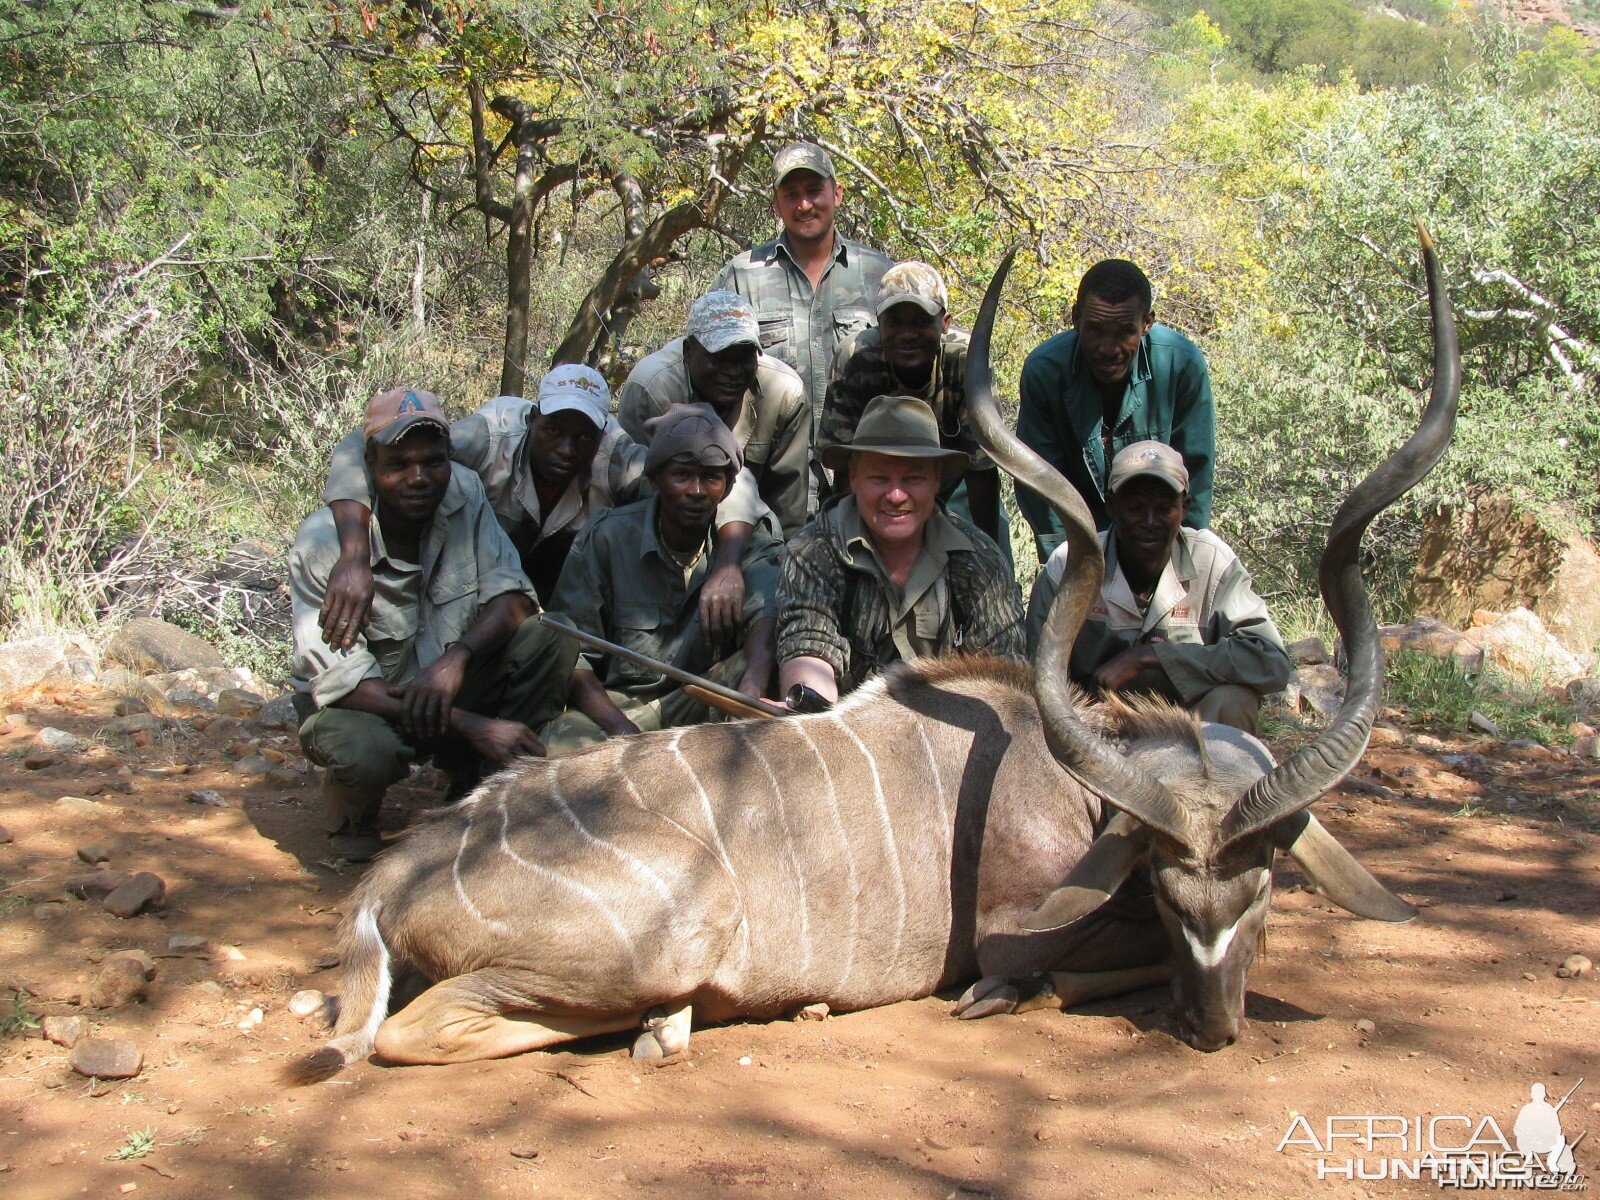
<point x="773" y="426"/>
<point x="621" y="585"/>
<point x="1204" y="621"/>
<point x="418" y="609"/>
<point x="837" y="602"/>
<point x="802" y="325"/>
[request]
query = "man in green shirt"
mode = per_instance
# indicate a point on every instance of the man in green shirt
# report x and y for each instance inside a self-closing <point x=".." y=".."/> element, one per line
<point x="1177" y="615"/>
<point x="883" y="574"/>
<point x="811" y="287"/>
<point x="1114" y="378"/>
<point x="449" y="663"/>
<point x="634" y="578"/>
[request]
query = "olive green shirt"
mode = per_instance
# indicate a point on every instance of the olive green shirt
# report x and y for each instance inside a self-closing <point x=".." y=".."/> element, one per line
<point x="418" y="609"/>
<point x="837" y="602"/>
<point x="802" y="325"/>
<point x="621" y="584"/>
<point x="773" y="426"/>
<point x="861" y="373"/>
<point x="1204" y="621"/>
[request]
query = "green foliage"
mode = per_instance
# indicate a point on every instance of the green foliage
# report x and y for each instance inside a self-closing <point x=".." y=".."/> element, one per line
<point x="139" y="1143"/>
<point x="1439" y="692"/>
<point x="19" y="1020"/>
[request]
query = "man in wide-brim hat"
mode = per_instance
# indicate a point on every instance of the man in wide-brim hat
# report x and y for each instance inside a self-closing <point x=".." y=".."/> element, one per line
<point x="884" y="573"/>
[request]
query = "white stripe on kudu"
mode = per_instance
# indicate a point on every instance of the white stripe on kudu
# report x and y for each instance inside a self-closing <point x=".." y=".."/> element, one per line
<point x="636" y="865"/>
<point x="754" y="751"/>
<point x="892" y="959"/>
<point x="461" y="891"/>
<point x="798" y="724"/>
<point x="716" y="843"/>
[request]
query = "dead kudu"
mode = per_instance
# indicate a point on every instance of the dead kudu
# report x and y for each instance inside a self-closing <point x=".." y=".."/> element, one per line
<point x="914" y="837"/>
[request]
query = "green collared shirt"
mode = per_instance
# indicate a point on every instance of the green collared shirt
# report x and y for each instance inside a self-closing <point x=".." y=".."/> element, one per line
<point x="773" y="426"/>
<point x="861" y="373"/>
<point x="837" y="602"/>
<point x="621" y="584"/>
<point x="1204" y="621"/>
<point x="1167" y="399"/>
<point x="802" y="325"/>
<point x="418" y="609"/>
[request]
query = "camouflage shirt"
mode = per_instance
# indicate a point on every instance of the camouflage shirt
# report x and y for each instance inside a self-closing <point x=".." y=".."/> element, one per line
<point x="804" y="326"/>
<point x="773" y="426"/>
<point x="861" y="372"/>
<point x="837" y="602"/>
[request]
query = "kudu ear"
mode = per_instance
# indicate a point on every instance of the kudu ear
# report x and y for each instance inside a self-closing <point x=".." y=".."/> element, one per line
<point x="1099" y="873"/>
<point x="1335" y="872"/>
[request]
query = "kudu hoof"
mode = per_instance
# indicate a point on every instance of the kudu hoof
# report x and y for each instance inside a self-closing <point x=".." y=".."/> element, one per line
<point x="987" y="998"/>
<point x="662" y="1037"/>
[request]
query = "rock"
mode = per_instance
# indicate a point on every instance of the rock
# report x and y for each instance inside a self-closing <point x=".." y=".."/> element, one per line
<point x="252" y="1020"/>
<point x="48" y="911"/>
<point x="1587" y="747"/>
<point x="95" y="886"/>
<point x="29" y="662"/>
<point x="1483" y="724"/>
<point x="38" y="761"/>
<point x="151" y="644"/>
<point x="1366" y="1026"/>
<point x="253" y="764"/>
<point x="107" y="1058"/>
<point x="130" y="706"/>
<point x="236" y="702"/>
<point x="131" y="897"/>
<point x="78" y="806"/>
<point x="1432" y="637"/>
<point x="1320" y="689"/>
<point x="208" y="797"/>
<point x="1309" y="652"/>
<point x="1575" y="966"/>
<point x="119" y="983"/>
<point x="186" y="701"/>
<point x="59" y="739"/>
<point x="283" y="779"/>
<point x="1492" y="552"/>
<point x="5" y="836"/>
<point x="1580" y="730"/>
<point x="1387" y="736"/>
<point x="94" y="854"/>
<point x="139" y="722"/>
<point x="65" y="1031"/>
<point x="141" y="960"/>
<point x="185" y="943"/>
<point x="279" y="713"/>
<point x="1426" y="741"/>
<point x="306" y="1003"/>
<point x="1518" y="644"/>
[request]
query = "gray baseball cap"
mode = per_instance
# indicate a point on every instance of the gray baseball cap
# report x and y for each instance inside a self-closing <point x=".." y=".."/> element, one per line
<point x="1155" y="459"/>
<point x="721" y="319"/>
<point x="801" y="156"/>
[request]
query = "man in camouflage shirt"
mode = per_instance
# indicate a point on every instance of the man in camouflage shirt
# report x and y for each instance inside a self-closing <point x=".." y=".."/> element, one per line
<point x="882" y="574"/>
<point x="811" y="287"/>
<point x="913" y="351"/>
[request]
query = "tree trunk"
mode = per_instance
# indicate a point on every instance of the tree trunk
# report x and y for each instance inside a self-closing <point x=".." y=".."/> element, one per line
<point x="519" y="269"/>
<point x="419" y="310"/>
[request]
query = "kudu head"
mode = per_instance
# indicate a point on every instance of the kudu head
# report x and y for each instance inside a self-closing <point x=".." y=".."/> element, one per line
<point x="1205" y="813"/>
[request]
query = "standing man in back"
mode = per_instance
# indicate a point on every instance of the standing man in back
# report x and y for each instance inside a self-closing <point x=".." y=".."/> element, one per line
<point x="812" y="287"/>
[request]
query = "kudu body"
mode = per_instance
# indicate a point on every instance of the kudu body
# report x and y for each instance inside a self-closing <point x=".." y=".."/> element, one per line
<point x="916" y="836"/>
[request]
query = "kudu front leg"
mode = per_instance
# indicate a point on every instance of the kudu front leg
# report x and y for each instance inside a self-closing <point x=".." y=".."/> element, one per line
<point x="995" y="994"/>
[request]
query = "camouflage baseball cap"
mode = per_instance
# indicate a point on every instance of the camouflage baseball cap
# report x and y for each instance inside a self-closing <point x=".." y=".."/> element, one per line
<point x="721" y="319"/>
<point x="913" y="283"/>
<point x="1155" y="459"/>
<point x="392" y="414"/>
<point x="576" y="388"/>
<point x="801" y="156"/>
<point x="693" y="433"/>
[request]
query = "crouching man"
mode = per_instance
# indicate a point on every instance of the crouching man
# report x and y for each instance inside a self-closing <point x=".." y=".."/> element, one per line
<point x="449" y="663"/>
<point x="1177" y="616"/>
<point x="883" y="573"/>
<point x="634" y="577"/>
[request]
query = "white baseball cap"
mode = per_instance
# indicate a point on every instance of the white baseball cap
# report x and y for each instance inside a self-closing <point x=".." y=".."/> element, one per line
<point x="578" y="388"/>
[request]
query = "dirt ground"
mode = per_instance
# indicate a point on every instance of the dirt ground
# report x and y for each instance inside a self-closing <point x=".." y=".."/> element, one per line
<point x="1498" y="845"/>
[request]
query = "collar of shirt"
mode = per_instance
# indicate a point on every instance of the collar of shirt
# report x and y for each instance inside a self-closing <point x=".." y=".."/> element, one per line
<point x="940" y="539"/>
<point x="568" y="507"/>
<point x="1133" y="393"/>
<point x="433" y="541"/>
<point x="650" y="547"/>
<point x="1176" y="578"/>
<point x="841" y="249"/>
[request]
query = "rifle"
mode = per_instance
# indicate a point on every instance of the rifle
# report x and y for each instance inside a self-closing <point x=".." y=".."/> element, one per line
<point x="707" y="691"/>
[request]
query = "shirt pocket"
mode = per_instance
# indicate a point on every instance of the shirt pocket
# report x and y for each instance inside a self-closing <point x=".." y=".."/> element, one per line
<point x="776" y="331"/>
<point x="639" y="630"/>
<point x="453" y="597"/>
<point x="847" y="322"/>
<point x="756" y="454"/>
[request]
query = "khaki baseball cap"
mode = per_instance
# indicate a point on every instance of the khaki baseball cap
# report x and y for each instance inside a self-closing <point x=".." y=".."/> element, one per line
<point x="1156" y="459"/>
<point x="913" y="283"/>
<point x="576" y="388"/>
<point x="801" y="156"/>
<point x="721" y="319"/>
<point x="391" y="414"/>
<point x="901" y="427"/>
